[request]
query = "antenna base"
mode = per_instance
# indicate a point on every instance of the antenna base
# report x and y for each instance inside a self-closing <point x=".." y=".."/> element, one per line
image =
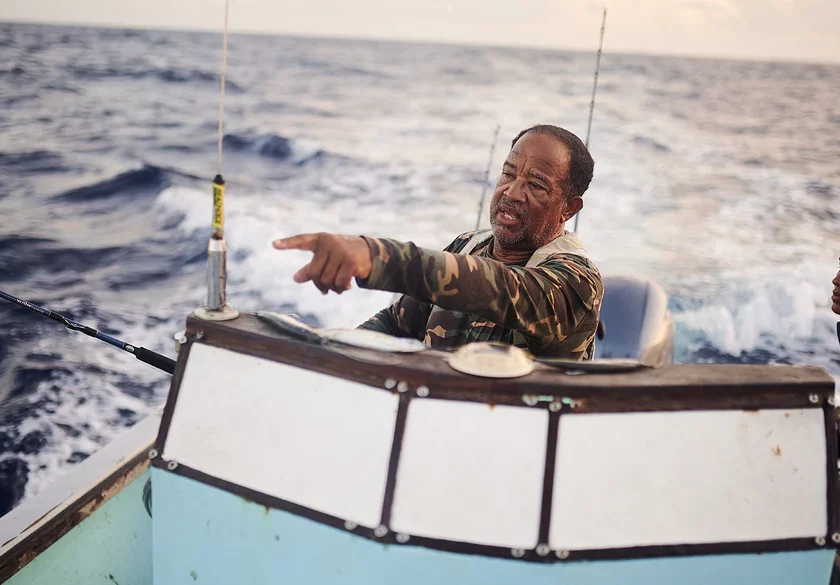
<point x="226" y="313"/>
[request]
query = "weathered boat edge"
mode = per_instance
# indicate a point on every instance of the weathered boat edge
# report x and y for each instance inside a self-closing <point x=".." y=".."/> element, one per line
<point x="32" y="527"/>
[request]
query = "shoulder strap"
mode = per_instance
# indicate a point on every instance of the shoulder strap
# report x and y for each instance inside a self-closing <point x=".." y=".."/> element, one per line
<point x="477" y="239"/>
<point x="568" y="243"/>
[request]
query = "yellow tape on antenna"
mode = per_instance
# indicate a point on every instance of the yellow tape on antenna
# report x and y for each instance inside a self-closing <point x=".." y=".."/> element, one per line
<point x="218" y="206"/>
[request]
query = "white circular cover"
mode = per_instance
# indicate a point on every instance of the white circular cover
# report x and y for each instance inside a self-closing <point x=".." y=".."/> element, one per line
<point x="492" y="360"/>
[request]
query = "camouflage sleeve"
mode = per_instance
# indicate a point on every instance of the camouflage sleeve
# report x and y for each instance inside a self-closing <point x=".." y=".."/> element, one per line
<point x="546" y="303"/>
<point x="407" y="317"/>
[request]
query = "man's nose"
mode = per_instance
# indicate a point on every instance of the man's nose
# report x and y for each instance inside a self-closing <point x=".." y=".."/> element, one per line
<point x="516" y="190"/>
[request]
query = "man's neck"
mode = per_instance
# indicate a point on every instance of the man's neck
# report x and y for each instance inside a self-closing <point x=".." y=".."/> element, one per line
<point x="518" y="256"/>
<point x="510" y="256"/>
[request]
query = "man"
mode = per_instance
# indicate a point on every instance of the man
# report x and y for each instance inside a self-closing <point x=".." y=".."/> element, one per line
<point x="835" y="296"/>
<point x="528" y="282"/>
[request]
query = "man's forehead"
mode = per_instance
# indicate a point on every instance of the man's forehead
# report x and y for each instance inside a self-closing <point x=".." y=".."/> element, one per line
<point x="543" y="147"/>
<point x="555" y="162"/>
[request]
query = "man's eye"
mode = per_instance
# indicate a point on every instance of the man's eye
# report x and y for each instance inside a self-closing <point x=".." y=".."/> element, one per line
<point x="507" y="175"/>
<point x="537" y="186"/>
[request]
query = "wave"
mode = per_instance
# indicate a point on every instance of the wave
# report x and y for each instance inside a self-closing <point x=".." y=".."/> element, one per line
<point x="168" y="75"/>
<point x="822" y="188"/>
<point x="21" y="257"/>
<point x="35" y="161"/>
<point x="651" y="143"/>
<point x="146" y="179"/>
<point x="268" y="145"/>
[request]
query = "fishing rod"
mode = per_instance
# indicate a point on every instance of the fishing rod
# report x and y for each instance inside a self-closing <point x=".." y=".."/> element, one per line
<point x="147" y="356"/>
<point x="594" y="89"/>
<point x="487" y="176"/>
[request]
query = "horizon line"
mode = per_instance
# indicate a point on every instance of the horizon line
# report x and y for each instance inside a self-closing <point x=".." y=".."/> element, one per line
<point x="424" y="41"/>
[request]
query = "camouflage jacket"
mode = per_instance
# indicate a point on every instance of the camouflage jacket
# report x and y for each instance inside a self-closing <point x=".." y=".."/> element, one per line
<point x="548" y="306"/>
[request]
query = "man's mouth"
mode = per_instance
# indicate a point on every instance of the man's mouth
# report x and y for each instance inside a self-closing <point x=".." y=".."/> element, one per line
<point x="507" y="217"/>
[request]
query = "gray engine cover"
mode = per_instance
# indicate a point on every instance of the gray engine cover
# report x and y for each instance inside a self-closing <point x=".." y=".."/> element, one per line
<point x="637" y="322"/>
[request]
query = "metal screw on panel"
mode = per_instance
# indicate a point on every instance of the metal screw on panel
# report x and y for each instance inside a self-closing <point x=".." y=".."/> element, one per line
<point x="836" y="537"/>
<point x="402" y="538"/>
<point x="172" y="465"/>
<point x="820" y="541"/>
<point x="543" y="550"/>
<point x="555" y="406"/>
<point x="199" y="334"/>
<point x="562" y="554"/>
<point x="831" y="400"/>
<point x="517" y="552"/>
<point x="390" y="383"/>
<point x="423" y="391"/>
<point x="350" y="525"/>
<point x="153" y="453"/>
<point x="380" y="531"/>
<point x="530" y="399"/>
<point x="575" y="404"/>
<point x="402" y="387"/>
<point x="814" y="398"/>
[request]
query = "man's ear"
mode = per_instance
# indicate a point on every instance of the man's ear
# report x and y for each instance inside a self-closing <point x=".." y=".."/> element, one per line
<point x="573" y="206"/>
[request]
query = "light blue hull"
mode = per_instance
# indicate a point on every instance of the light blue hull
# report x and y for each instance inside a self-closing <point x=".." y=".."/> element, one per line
<point x="111" y="546"/>
<point x="205" y="535"/>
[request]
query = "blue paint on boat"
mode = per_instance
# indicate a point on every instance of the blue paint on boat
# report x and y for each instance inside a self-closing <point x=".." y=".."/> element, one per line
<point x="111" y="546"/>
<point x="205" y="535"/>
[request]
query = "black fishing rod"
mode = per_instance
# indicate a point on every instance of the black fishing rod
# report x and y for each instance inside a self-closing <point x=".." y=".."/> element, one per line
<point x="147" y="356"/>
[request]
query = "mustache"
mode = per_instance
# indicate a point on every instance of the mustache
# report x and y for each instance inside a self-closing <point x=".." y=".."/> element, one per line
<point x="517" y="207"/>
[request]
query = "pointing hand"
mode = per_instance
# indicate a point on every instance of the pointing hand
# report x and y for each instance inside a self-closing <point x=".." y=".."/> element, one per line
<point x="335" y="261"/>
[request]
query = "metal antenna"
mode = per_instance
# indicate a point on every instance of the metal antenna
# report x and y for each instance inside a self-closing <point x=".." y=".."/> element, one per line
<point x="217" y="308"/>
<point x="487" y="176"/>
<point x="594" y="89"/>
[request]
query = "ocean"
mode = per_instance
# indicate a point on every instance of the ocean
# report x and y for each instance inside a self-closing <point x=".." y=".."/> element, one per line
<point x="720" y="180"/>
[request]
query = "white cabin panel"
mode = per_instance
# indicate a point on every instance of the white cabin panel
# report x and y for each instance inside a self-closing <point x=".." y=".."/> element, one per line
<point x="298" y="435"/>
<point x="471" y="472"/>
<point x="662" y="478"/>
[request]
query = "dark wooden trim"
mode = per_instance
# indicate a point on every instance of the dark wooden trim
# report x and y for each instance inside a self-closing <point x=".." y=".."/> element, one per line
<point x="644" y="402"/>
<point x="25" y="551"/>
<point x="172" y="397"/>
<point x="681" y="550"/>
<point x="394" y="461"/>
<point x="639" y="552"/>
<point x="685" y="385"/>
<point x="832" y="510"/>
<point x="548" y="477"/>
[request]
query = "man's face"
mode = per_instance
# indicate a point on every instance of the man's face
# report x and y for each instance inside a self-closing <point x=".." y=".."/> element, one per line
<point x="529" y="203"/>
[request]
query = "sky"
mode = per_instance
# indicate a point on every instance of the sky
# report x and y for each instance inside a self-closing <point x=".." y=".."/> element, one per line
<point x="790" y="30"/>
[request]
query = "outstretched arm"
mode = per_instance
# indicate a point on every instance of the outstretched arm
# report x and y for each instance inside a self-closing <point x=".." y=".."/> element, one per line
<point x="548" y="302"/>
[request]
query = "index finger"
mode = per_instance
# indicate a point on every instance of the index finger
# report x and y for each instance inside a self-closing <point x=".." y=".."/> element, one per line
<point x="299" y="242"/>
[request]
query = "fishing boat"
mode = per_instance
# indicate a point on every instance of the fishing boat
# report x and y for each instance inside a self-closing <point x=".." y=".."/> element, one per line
<point x="296" y="455"/>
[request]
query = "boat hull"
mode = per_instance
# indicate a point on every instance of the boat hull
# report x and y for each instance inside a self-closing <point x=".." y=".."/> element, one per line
<point x="253" y="544"/>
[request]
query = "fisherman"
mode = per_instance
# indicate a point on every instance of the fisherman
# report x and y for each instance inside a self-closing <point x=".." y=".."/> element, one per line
<point x="527" y="282"/>
<point x="835" y="296"/>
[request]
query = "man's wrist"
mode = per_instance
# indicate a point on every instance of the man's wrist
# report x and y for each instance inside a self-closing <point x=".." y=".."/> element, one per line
<point x="376" y="265"/>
